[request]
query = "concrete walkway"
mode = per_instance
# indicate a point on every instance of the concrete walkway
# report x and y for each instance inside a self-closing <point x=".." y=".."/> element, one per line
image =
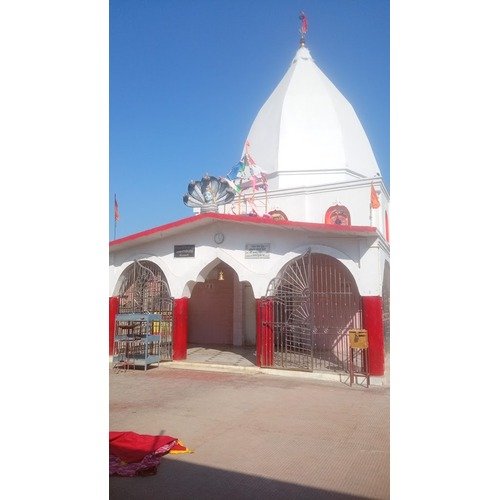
<point x="221" y="355"/>
<point x="254" y="435"/>
<point x="242" y="360"/>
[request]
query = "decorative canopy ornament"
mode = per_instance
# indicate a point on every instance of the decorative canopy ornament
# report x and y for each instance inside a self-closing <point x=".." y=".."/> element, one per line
<point x="209" y="193"/>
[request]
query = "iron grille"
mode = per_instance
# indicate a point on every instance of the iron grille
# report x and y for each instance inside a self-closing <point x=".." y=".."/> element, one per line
<point x="144" y="289"/>
<point x="315" y="304"/>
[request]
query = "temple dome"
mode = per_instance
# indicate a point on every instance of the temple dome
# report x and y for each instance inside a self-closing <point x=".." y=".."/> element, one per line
<point x="307" y="133"/>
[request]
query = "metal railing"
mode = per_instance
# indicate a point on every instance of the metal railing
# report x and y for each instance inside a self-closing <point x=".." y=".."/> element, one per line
<point x="315" y="304"/>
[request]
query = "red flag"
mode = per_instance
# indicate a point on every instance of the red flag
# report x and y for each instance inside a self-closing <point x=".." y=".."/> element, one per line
<point x="303" y="25"/>
<point x="374" y="202"/>
<point x="117" y="213"/>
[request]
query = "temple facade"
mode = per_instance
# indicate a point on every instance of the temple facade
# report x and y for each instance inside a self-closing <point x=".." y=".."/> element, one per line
<point x="288" y="255"/>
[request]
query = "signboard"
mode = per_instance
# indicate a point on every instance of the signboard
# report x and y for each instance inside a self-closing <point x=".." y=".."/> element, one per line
<point x="358" y="339"/>
<point x="183" y="251"/>
<point x="257" y="250"/>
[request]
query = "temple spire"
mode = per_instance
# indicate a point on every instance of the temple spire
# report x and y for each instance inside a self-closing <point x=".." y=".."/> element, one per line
<point x="303" y="28"/>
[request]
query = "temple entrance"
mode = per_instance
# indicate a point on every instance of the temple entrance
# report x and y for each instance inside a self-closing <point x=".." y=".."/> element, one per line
<point x="211" y="308"/>
<point x="222" y="319"/>
<point x="313" y="303"/>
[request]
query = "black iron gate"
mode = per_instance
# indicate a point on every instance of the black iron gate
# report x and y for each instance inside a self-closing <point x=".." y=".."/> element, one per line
<point x="315" y="304"/>
<point x="144" y="289"/>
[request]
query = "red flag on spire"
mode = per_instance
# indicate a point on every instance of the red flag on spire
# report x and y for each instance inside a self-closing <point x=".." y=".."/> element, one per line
<point x="303" y="25"/>
<point x="374" y="202"/>
<point x="117" y="213"/>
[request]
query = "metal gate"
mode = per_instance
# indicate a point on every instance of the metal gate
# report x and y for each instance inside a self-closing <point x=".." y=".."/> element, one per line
<point x="315" y="302"/>
<point x="144" y="289"/>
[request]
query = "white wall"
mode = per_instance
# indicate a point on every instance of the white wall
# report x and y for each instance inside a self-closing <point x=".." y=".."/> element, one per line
<point x="310" y="204"/>
<point x="362" y="256"/>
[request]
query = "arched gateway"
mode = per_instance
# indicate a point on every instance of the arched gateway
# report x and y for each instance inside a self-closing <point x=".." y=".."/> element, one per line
<point x="143" y="288"/>
<point x="311" y="306"/>
<point x="222" y="309"/>
<point x="211" y="308"/>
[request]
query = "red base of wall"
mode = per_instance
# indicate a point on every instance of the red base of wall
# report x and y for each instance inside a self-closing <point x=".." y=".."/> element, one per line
<point x="114" y="303"/>
<point x="180" y="333"/>
<point x="372" y="322"/>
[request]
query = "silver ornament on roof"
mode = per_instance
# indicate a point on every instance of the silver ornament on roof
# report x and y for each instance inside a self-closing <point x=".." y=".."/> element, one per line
<point x="208" y="193"/>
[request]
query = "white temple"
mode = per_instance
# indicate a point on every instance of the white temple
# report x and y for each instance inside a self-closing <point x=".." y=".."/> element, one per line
<point x="321" y="217"/>
<point x="310" y="144"/>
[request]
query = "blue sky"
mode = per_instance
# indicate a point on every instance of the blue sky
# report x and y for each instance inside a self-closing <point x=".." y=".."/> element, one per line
<point x="187" y="78"/>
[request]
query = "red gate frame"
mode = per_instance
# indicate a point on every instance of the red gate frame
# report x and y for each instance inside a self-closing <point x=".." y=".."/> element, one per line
<point x="265" y="333"/>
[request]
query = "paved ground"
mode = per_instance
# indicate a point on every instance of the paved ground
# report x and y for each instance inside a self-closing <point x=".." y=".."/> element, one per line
<point x="222" y="355"/>
<point x="254" y="436"/>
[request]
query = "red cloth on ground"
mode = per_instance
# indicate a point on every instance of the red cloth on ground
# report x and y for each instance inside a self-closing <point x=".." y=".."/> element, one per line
<point x="131" y="447"/>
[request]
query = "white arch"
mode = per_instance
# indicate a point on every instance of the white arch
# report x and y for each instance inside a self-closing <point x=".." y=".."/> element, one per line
<point x="322" y="249"/>
<point x="115" y="280"/>
<point x="203" y="272"/>
<point x="203" y="268"/>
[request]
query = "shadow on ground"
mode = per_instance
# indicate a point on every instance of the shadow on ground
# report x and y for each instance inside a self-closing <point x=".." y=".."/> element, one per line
<point x="177" y="479"/>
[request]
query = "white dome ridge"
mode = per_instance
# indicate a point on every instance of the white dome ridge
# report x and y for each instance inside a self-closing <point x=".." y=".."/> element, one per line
<point x="307" y="132"/>
<point x="302" y="54"/>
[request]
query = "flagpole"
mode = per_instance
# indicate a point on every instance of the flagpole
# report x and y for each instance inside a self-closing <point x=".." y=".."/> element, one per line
<point x="116" y="215"/>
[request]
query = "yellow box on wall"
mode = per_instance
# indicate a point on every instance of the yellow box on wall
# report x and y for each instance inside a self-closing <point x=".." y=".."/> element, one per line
<point x="358" y="339"/>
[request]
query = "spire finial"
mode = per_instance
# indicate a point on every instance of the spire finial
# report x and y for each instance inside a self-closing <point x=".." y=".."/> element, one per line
<point x="303" y="28"/>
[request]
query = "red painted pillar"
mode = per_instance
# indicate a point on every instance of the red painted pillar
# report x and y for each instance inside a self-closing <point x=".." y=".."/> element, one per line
<point x="268" y="336"/>
<point x="114" y="303"/>
<point x="180" y="333"/>
<point x="258" y="339"/>
<point x="265" y="337"/>
<point x="372" y="322"/>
